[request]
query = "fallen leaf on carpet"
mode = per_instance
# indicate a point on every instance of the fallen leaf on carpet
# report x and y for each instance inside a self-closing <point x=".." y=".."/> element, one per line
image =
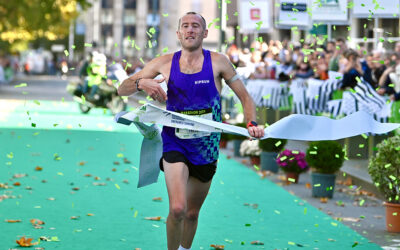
<point x="75" y="188"/>
<point x="116" y="162"/>
<point x="75" y="217"/>
<point x="88" y="175"/>
<point x="157" y="199"/>
<point x="89" y="214"/>
<point x="12" y="221"/>
<point x="17" y="184"/>
<point x="125" y="181"/>
<point x="19" y="175"/>
<point x="257" y="242"/>
<point x="127" y="161"/>
<point x="82" y="163"/>
<point x="308" y="185"/>
<point x="331" y="239"/>
<point x="217" y="247"/>
<point x="157" y="218"/>
<point x="26" y="242"/>
<point x="38" y="168"/>
<point x="36" y="223"/>
<point x="114" y="169"/>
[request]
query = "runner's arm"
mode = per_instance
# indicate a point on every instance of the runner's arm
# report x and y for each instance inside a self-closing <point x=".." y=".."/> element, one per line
<point x="229" y="74"/>
<point x="146" y="82"/>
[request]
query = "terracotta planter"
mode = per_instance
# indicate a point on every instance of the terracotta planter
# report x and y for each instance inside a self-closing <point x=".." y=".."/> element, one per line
<point x="255" y="160"/>
<point x="223" y="143"/>
<point x="392" y="217"/>
<point x="292" y="176"/>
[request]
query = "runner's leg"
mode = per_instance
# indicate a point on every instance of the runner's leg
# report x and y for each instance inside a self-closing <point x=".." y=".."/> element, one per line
<point x="176" y="178"/>
<point x="196" y="194"/>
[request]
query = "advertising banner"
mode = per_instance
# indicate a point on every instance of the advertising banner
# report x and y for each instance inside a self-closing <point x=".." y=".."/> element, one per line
<point x="376" y="8"/>
<point x="330" y="11"/>
<point x="254" y="16"/>
<point x="293" y="13"/>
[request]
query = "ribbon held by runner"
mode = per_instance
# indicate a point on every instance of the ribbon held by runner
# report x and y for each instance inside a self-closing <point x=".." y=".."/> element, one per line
<point x="293" y="127"/>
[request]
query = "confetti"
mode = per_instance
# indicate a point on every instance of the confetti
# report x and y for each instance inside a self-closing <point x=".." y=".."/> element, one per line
<point x="21" y="85"/>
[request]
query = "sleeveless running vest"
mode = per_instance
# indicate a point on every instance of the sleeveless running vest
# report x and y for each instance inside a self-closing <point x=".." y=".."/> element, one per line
<point x="193" y="94"/>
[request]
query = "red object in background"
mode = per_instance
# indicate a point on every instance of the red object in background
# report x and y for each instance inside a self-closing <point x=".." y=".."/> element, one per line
<point x="255" y="14"/>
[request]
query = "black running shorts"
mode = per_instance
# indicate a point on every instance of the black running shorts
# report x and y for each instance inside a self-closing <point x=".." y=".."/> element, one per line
<point x="202" y="172"/>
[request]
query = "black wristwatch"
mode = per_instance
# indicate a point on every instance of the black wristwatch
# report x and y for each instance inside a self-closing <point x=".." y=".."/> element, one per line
<point x="137" y="84"/>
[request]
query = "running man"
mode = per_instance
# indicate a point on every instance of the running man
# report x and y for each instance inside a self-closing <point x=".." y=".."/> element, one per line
<point x="189" y="160"/>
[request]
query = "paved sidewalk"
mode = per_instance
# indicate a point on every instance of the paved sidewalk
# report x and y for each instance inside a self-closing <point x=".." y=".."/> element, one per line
<point x="355" y="207"/>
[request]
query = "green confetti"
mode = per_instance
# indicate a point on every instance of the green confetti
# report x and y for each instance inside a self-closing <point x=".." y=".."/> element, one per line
<point x="117" y="186"/>
<point x="83" y="99"/>
<point x="73" y="46"/>
<point x="256" y="167"/>
<point x="10" y="155"/>
<point x="247" y="224"/>
<point x="317" y="185"/>
<point x="88" y="45"/>
<point x="66" y="52"/>
<point x="150" y="44"/>
<point x="278" y="143"/>
<point x="141" y="60"/>
<point x="236" y="13"/>
<point x="362" y="202"/>
<point x="36" y="102"/>
<point x="266" y="97"/>
<point x="21" y="85"/>
<point x="165" y="15"/>
<point x="245" y="38"/>
<point x="33" y="125"/>
<point x="152" y="30"/>
<point x="164" y="50"/>
<point x="305" y="210"/>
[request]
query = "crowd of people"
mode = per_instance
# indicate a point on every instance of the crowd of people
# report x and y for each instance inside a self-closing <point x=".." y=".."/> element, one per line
<point x="284" y="61"/>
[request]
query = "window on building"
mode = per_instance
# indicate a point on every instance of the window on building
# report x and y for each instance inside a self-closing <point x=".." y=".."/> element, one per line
<point x="107" y="4"/>
<point x="130" y="4"/>
<point x="154" y="5"/>
<point x="106" y="30"/>
<point x="129" y="30"/>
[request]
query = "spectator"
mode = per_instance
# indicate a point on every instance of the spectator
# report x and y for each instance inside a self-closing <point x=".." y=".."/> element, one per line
<point x="340" y="48"/>
<point x="353" y="70"/>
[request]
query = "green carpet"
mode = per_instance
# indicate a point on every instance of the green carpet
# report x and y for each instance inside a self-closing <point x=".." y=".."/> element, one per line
<point x="118" y="208"/>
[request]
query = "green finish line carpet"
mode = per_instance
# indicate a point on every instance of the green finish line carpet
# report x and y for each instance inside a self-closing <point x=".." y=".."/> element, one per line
<point x="81" y="182"/>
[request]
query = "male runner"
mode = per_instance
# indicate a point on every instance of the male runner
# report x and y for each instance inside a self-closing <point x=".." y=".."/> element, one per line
<point x="189" y="161"/>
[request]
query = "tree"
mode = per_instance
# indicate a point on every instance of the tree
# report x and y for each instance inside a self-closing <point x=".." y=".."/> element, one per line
<point x="26" y="20"/>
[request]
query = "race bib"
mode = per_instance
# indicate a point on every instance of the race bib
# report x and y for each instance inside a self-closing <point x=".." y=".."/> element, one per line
<point x="182" y="133"/>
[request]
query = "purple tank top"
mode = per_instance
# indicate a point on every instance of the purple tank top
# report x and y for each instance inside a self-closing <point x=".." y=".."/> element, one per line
<point x="193" y="94"/>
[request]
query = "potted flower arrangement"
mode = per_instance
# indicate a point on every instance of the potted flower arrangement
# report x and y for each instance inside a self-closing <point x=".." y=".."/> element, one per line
<point x="384" y="169"/>
<point x="293" y="163"/>
<point x="251" y="149"/>
<point x="270" y="148"/>
<point x="324" y="158"/>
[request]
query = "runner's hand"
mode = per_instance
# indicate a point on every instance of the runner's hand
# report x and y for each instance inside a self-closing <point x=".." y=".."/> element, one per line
<point x="153" y="88"/>
<point x="256" y="131"/>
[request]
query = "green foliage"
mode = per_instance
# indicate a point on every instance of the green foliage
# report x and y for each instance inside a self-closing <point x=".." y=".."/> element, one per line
<point x="225" y="137"/>
<point x="239" y="137"/>
<point x="31" y="19"/>
<point x="272" y="144"/>
<point x="325" y="157"/>
<point x="384" y="168"/>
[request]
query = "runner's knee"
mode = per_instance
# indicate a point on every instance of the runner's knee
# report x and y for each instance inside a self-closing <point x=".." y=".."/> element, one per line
<point x="177" y="211"/>
<point x="192" y="215"/>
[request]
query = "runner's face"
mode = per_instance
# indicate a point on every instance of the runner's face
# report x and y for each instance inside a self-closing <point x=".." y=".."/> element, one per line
<point x="191" y="32"/>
